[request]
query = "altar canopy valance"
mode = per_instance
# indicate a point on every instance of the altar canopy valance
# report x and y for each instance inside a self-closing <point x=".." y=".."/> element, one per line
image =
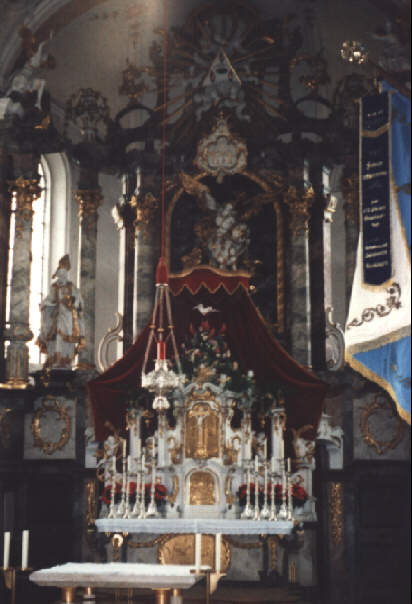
<point x="248" y="337"/>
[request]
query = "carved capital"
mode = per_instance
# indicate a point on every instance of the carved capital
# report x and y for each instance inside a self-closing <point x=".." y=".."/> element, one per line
<point x="146" y="207"/>
<point x="89" y="201"/>
<point x="24" y="191"/>
<point x="299" y="204"/>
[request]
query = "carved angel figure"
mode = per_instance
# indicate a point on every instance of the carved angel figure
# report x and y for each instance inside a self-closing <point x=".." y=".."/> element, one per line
<point x="62" y="329"/>
<point x="27" y="79"/>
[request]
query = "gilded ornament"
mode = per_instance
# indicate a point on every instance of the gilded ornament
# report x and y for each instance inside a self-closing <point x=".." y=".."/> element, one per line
<point x="89" y="201"/>
<point x="25" y="191"/>
<point x="380" y="403"/>
<point x="173" y="495"/>
<point x="273" y="548"/>
<point x="221" y="153"/>
<point x="51" y="405"/>
<point x="117" y="543"/>
<point x="91" y="496"/>
<point x="230" y="498"/>
<point x="350" y="190"/>
<point x="180" y="549"/>
<point x="202" y="432"/>
<point x="299" y="204"/>
<point x="146" y="207"/>
<point x="202" y="489"/>
<point x="335" y="499"/>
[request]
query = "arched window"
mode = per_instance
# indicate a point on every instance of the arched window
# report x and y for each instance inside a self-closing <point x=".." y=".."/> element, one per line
<point x="49" y="241"/>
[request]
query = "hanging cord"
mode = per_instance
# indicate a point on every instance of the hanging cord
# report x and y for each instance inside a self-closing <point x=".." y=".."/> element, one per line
<point x="162" y="247"/>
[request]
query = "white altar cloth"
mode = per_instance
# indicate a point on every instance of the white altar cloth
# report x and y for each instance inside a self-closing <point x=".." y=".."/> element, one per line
<point x="205" y="526"/>
<point x="118" y="575"/>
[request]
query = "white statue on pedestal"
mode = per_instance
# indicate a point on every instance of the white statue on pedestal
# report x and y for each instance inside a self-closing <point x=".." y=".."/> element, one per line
<point x="62" y="329"/>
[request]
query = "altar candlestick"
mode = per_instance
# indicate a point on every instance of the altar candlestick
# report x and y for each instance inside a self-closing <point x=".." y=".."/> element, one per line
<point x="6" y="549"/>
<point x="218" y="547"/>
<point x="25" y="550"/>
<point x="198" y="551"/>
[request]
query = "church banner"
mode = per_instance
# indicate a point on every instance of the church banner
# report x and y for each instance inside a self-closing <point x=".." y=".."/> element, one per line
<point x="377" y="334"/>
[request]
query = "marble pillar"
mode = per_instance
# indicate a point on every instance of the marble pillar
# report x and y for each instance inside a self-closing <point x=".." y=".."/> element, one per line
<point x="89" y="201"/>
<point x="145" y="274"/>
<point x="350" y="190"/>
<point x="24" y="192"/>
<point x="298" y="319"/>
<point x="4" y="244"/>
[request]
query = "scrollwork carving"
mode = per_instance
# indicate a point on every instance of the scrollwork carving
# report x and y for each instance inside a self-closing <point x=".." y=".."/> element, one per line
<point x="382" y="446"/>
<point x="335" y="499"/>
<point x="51" y="405"/>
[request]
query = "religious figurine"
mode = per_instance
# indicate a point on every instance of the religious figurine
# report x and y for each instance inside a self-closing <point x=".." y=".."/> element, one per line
<point x="62" y="330"/>
<point x="26" y="88"/>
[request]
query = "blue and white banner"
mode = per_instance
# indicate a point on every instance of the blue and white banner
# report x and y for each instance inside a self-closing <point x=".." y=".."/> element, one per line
<point x="377" y="334"/>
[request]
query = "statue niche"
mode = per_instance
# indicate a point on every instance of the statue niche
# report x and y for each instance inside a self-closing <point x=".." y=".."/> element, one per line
<point x="202" y="432"/>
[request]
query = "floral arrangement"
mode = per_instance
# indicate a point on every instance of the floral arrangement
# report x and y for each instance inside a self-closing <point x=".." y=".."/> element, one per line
<point x="207" y="357"/>
<point x="299" y="495"/>
<point x="159" y="494"/>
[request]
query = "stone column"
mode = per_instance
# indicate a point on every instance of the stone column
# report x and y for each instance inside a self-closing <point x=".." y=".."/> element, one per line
<point x="350" y="190"/>
<point x="24" y="191"/>
<point x="298" y="319"/>
<point x="89" y="201"/>
<point x="4" y="245"/>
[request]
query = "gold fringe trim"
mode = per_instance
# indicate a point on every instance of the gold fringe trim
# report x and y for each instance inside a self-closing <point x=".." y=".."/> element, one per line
<point x="376" y="133"/>
<point x="389" y="338"/>
<point x="219" y="271"/>
<point x="374" y="377"/>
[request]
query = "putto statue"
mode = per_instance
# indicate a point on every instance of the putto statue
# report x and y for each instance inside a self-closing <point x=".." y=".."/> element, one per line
<point x="62" y="329"/>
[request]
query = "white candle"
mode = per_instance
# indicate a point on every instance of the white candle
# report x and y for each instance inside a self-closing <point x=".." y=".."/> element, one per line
<point x="6" y="549"/>
<point x="273" y="465"/>
<point x="265" y="449"/>
<point x="218" y="547"/>
<point x="143" y="464"/>
<point x="139" y="447"/>
<point x="25" y="550"/>
<point x="256" y="464"/>
<point x="198" y="550"/>
<point x="129" y="464"/>
<point x="114" y="464"/>
<point x="124" y="447"/>
<point x="282" y="449"/>
<point x="289" y="465"/>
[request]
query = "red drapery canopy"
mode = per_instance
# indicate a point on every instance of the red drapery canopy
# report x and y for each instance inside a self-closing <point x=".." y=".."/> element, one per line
<point x="248" y="338"/>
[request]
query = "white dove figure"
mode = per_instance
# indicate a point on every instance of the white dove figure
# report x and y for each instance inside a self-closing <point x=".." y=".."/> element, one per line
<point x="204" y="310"/>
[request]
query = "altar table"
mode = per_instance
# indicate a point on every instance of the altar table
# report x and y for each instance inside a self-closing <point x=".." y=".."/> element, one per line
<point x="205" y="526"/>
<point x="118" y="575"/>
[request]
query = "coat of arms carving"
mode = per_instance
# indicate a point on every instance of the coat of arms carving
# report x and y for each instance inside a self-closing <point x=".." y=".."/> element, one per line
<point x="221" y="153"/>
